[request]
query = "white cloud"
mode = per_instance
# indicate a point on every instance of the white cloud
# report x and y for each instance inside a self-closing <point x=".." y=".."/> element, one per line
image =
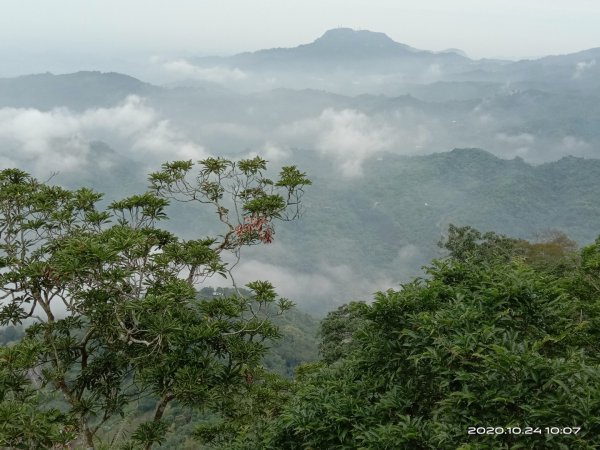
<point x="348" y="136"/>
<point x="323" y="286"/>
<point x="574" y="145"/>
<point x="583" y="66"/>
<point x="59" y="139"/>
<point x="271" y="152"/>
<point x="216" y="74"/>
<point x="41" y="141"/>
<point x="432" y="74"/>
<point x="522" y="145"/>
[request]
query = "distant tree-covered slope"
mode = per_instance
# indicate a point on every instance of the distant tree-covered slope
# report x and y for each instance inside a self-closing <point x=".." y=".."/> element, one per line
<point x="406" y="203"/>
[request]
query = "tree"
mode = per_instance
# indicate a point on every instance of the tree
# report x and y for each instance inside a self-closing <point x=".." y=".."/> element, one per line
<point x="24" y="422"/>
<point x="552" y="250"/>
<point x="467" y="244"/>
<point x="113" y="296"/>
<point x="338" y="329"/>
<point x="489" y="343"/>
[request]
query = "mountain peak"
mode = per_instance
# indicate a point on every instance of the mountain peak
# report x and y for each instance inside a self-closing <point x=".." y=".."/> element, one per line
<point x="337" y="34"/>
<point x="348" y="38"/>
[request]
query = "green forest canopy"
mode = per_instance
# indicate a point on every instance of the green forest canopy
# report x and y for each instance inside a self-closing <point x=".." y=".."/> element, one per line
<point x="500" y="333"/>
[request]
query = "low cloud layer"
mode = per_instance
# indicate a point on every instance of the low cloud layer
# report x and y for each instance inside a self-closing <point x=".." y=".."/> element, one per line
<point x="59" y="140"/>
<point x="181" y="68"/>
<point x="328" y="286"/>
<point x="349" y="137"/>
<point x="328" y="283"/>
<point x="582" y="67"/>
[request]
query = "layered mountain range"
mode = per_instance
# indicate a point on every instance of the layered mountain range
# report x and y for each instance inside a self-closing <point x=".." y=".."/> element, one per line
<point x="363" y="61"/>
<point x="373" y="122"/>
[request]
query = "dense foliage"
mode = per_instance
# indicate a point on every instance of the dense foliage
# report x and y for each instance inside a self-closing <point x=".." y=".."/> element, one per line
<point x="486" y="340"/>
<point x="501" y="335"/>
<point x="113" y="300"/>
<point x="297" y="342"/>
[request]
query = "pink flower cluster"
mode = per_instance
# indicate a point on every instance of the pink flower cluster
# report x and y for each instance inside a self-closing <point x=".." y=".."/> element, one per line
<point x="258" y="225"/>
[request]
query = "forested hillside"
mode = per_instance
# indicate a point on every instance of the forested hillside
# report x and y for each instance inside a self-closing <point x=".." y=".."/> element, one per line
<point x="346" y="242"/>
<point x="388" y="221"/>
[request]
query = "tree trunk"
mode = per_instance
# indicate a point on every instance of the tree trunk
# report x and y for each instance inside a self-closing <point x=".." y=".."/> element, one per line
<point x="161" y="406"/>
<point x="88" y="438"/>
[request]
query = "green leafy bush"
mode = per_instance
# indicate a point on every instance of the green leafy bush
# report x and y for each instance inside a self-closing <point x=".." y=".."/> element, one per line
<point x="483" y="341"/>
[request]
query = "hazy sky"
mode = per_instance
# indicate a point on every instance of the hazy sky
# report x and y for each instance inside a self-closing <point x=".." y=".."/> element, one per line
<point x="39" y="35"/>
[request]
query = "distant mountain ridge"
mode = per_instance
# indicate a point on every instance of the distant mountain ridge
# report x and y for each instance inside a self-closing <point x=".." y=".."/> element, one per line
<point x="78" y="90"/>
<point x="344" y="43"/>
<point x="349" y="62"/>
<point x="341" y="46"/>
<point x="410" y="200"/>
<point x="369" y="59"/>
